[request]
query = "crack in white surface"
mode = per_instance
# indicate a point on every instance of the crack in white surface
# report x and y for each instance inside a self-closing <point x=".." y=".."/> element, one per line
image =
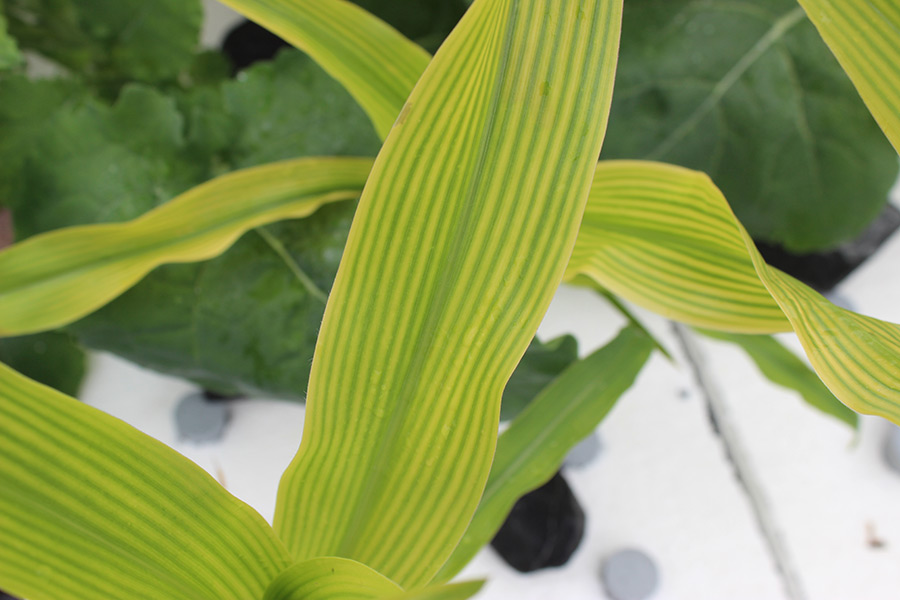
<point x="722" y="425"/>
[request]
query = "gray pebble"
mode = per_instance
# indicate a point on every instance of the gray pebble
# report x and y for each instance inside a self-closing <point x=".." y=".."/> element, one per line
<point x="629" y="575"/>
<point x="199" y="420"/>
<point x="892" y="448"/>
<point x="584" y="452"/>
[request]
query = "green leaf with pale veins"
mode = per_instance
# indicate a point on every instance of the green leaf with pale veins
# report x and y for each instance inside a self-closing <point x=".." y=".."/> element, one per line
<point x="52" y="358"/>
<point x="746" y="91"/>
<point x="780" y="366"/>
<point x="457" y="246"/>
<point x="92" y="508"/>
<point x="109" y="42"/>
<point x="537" y="441"/>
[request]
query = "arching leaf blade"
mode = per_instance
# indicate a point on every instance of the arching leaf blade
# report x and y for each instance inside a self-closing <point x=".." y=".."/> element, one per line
<point x="537" y="441"/>
<point x="372" y="60"/>
<point x="92" y="508"/>
<point x="682" y="252"/>
<point x="52" y="279"/>
<point x="865" y="37"/>
<point x="665" y="243"/>
<point x="443" y="282"/>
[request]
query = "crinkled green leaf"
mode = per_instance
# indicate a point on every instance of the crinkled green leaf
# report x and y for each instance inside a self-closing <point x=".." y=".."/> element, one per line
<point x="52" y="358"/>
<point x="110" y="41"/>
<point x="447" y="271"/>
<point x="181" y="319"/>
<point x="86" y="162"/>
<point x="782" y="367"/>
<point x="747" y="92"/>
<point x="92" y="508"/>
<point x="537" y="441"/>
<point x="540" y="365"/>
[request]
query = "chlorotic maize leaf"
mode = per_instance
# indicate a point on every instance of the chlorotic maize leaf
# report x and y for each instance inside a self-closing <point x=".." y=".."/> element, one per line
<point x="453" y="591"/>
<point x="458" y="244"/>
<point x="664" y="237"/>
<point x="326" y="578"/>
<point x="52" y="279"/>
<point x="865" y="37"/>
<point x="92" y="508"/>
<point x="373" y="61"/>
<point x="537" y="441"/>
<point x="670" y="243"/>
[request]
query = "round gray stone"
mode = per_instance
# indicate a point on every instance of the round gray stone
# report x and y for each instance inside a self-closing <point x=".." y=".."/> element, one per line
<point x="892" y="448"/>
<point x="584" y="452"/>
<point x="199" y="420"/>
<point x="629" y="575"/>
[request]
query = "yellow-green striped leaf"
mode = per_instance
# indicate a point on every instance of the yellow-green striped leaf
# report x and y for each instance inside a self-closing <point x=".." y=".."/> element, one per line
<point x="327" y="578"/>
<point x="782" y="367"/>
<point x="92" y="508"/>
<point x="458" y="244"/>
<point x="865" y="37"/>
<point x="372" y="60"/>
<point x="664" y="237"/>
<point x="453" y="591"/>
<point x="534" y="446"/>
<point x="53" y="279"/>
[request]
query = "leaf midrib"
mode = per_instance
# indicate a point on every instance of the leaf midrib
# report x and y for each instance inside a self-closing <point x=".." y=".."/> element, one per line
<point x="777" y="31"/>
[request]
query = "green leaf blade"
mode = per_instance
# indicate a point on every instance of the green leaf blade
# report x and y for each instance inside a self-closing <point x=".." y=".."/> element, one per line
<point x="537" y="441"/>
<point x="782" y="367"/>
<point x="52" y="279"/>
<point x="865" y="38"/>
<point x="435" y="267"/>
<point x="95" y="509"/>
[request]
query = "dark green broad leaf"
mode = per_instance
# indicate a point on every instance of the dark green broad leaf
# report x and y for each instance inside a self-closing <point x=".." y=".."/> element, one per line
<point x="83" y="161"/>
<point x="746" y="91"/>
<point x="541" y="364"/>
<point x="243" y="323"/>
<point x="246" y="322"/>
<point x="427" y="22"/>
<point x="52" y="358"/>
<point x="110" y="41"/>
